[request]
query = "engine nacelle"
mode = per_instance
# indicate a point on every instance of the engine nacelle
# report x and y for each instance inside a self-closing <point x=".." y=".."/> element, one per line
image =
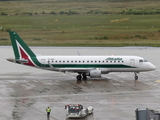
<point x="95" y="73"/>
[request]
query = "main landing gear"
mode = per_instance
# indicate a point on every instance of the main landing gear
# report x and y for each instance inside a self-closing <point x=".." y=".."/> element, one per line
<point x="81" y="76"/>
<point x="136" y="76"/>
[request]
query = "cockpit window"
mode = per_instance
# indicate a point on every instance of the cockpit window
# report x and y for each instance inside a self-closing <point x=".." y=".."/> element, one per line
<point x="145" y="60"/>
<point x="140" y="60"/>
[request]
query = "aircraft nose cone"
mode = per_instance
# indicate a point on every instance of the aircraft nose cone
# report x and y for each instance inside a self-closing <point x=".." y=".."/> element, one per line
<point x="152" y="67"/>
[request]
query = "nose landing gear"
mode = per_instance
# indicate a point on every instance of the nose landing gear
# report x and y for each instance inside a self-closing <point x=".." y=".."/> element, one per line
<point x="136" y="76"/>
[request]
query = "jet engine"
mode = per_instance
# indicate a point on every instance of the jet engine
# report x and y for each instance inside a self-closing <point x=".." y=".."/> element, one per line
<point x="95" y="73"/>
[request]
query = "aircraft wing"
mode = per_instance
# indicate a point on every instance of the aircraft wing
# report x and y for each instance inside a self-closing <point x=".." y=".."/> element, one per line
<point x="73" y="70"/>
<point x="76" y="70"/>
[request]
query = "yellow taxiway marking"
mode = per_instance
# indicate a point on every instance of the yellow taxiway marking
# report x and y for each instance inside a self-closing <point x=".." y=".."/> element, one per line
<point x="157" y="80"/>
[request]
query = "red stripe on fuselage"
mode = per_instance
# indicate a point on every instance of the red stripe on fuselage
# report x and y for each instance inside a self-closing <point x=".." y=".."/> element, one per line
<point x="25" y="56"/>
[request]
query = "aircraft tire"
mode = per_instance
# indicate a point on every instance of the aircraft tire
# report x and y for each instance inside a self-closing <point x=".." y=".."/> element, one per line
<point x="136" y="77"/>
<point x="84" y="77"/>
<point x="79" y="77"/>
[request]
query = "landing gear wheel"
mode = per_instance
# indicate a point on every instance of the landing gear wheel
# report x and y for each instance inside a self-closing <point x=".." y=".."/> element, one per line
<point x="79" y="77"/>
<point x="84" y="76"/>
<point x="136" y="77"/>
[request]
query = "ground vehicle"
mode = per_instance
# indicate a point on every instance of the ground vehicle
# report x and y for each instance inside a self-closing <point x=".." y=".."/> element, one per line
<point x="77" y="111"/>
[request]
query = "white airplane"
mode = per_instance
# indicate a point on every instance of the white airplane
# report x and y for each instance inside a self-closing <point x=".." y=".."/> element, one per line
<point x="92" y="66"/>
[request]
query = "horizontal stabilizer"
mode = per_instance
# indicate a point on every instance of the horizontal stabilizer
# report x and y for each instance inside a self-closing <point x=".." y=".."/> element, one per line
<point x="18" y="60"/>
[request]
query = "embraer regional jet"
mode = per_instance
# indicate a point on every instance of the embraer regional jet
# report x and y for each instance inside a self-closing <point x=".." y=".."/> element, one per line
<point x="92" y="66"/>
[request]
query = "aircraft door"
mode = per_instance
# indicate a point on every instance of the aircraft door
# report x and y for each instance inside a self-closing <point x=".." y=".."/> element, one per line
<point x="43" y="62"/>
<point x="132" y="62"/>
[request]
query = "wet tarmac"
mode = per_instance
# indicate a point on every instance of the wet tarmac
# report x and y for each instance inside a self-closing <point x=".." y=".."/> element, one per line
<point x="26" y="92"/>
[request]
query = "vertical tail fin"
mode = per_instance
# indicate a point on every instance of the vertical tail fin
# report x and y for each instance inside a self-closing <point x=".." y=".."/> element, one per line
<point x="23" y="54"/>
<point x="21" y="50"/>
